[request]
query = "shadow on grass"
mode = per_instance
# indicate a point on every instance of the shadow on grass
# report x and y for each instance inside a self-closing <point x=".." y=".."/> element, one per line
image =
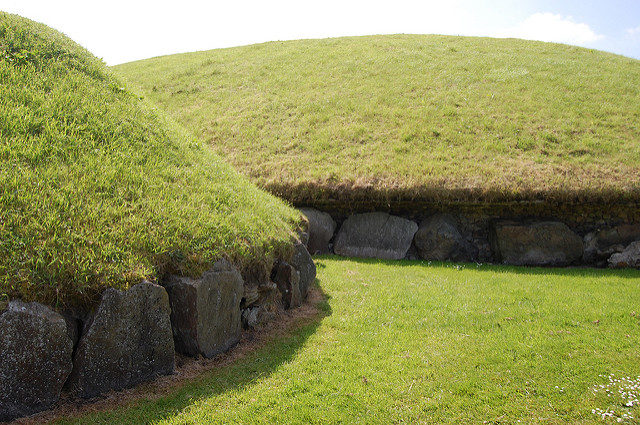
<point x="244" y="372"/>
<point x="491" y="268"/>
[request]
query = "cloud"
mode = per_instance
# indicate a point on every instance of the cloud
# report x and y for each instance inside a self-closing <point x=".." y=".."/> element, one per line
<point x="633" y="31"/>
<point x="552" y="27"/>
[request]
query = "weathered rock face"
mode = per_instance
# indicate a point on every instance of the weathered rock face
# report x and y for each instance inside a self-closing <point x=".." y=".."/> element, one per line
<point x="35" y="354"/>
<point x="253" y="317"/>
<point x="544" y="243"/>
<point x="205" y="312"/>
<point x="375" y="235"/>
<point x="439" y="238"/>
<point x="630" y="257"/>
<point x="127" y="341"/>
<point x="288" y="280"/>
<point x="321" y="230"/>
<point x="303" y="263"/>
<point x="600" y="245"/>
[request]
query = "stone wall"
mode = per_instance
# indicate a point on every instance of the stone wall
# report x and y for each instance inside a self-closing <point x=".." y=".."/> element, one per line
<point x="132" y="336"/>
<point x="481" y="235"/>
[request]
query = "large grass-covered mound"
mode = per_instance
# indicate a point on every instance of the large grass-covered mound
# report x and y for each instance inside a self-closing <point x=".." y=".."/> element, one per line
<point x="98" y="190"/>
<point x="412" y="117"/>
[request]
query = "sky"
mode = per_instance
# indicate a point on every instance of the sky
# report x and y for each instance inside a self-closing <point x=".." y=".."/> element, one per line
<point x="121" y="31"/>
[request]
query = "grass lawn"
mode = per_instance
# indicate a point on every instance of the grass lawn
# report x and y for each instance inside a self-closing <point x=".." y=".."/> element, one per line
<point x="412" y="117"/>
<point x="411" y="342"/>
<point x="97" y="189"/>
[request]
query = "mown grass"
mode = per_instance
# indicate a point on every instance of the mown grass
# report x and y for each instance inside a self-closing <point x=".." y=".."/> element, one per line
<point x="99" y="190"/>
<point x="412" y="117"/>
<point x="412" y="342"/>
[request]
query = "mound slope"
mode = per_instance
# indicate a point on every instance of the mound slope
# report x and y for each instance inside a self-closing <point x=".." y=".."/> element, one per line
<point x="409" y="117"/>
<point x="99" y="190"/>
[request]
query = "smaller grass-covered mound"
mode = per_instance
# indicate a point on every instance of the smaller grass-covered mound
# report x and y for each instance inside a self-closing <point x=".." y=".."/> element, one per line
<point x="412" y="117"/>
<point x="98" y="190"/>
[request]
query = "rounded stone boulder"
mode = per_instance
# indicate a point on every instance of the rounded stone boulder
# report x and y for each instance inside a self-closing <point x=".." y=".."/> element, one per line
<point x="439" y="239"/>
<point x="375" y="235"/>
<point x="602" y="244"/>
<point x="321" y="230"/>
<point x="629" y="257"/>
<point x="545" y="243"/>
<point x="36" y="359"/>
<point x="126" y="342"/>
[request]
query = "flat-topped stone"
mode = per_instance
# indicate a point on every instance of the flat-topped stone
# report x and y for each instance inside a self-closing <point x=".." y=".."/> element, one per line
<point x="205" y="312"/>
<point x="126" y="342"/>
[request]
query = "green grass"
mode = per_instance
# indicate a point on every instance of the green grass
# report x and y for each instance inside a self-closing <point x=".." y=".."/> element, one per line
<point x="411" y="342"/>
<point x="412" y="117"/>
<point x="99" y="190"/>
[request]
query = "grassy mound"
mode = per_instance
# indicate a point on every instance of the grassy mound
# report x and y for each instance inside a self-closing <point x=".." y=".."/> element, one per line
<point x="97" y="190"/>
<point x="412" y="117"/>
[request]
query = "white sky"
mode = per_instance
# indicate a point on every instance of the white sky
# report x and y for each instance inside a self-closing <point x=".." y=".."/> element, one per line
<point x="121" y="31"/>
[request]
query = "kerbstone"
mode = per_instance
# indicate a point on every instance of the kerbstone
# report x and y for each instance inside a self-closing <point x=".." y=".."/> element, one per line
<point x="288" y="280"/>
<point x="439" y="238"/>
<point x="375" y="235"/>
<point x="304" y="264"/>
<point x="205" y="312"/>
<point x="546" y="243"/>
<point x="600" y="245"/>
<point x="321" y="230"/>
<point x="126" y="342"/>
<point x="629" y="257"/>
<point x="35" y="353"/>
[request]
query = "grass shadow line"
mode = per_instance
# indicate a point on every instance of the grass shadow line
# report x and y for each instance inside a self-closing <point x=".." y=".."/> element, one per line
<point x="246" y="371"/>
<point x="628" y="273"/>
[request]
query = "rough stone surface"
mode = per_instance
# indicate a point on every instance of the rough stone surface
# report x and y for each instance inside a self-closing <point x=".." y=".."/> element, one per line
<point x="254" y="317"/>
<point x="304" y="232"/>
<point x="126" y="342"/>
<point x="288" y="280"/>
<point x="250" y="294"/>
<point x="439" y="238"/>
<point x="303" y="238"/>
<point x="630" y="257"/>
<point x="545" y="243"/>
<point x="35" y="354"/>
<point x="600" y="245"/>
<point x="375" y="235"/>
<point x="321" y="230"/>
<point x="303" y="263"/>
<point x="205" y="312"/>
